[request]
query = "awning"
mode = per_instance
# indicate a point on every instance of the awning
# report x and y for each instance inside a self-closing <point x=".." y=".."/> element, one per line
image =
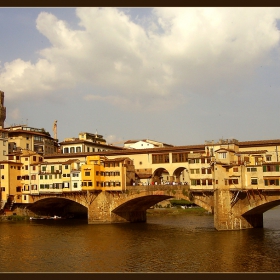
<point x="143" y="175"/>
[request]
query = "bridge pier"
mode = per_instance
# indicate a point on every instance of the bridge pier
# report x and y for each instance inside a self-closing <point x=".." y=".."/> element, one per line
<point x="227" y="217"/>
<point x="100" y="211"/>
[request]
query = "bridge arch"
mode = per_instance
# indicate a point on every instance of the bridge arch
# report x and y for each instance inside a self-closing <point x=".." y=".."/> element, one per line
<point x="181" y="175"/>
<point x="128" y="209"/>
<point x="261" y="208"/>
<point x="160" y="175"/>
<point x="60" y="206"/>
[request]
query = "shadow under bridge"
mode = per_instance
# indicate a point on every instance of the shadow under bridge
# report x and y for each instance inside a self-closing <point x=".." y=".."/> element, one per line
<point x="134" y="210"/>
<point x="58" y="206"/>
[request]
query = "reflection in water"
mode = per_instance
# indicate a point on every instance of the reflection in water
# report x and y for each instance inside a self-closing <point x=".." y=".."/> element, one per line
<point x="183" y="243"/>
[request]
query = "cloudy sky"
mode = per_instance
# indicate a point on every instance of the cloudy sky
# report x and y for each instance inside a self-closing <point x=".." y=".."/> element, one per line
<point x="175" y="75"/>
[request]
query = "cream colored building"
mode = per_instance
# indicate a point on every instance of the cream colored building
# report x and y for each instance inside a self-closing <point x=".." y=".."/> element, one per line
<point x="144" y="144"/>
<point x="85" y="143"/>
<point x="29" y="138"/>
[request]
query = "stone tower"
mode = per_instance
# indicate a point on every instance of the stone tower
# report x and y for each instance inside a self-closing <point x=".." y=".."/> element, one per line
<point x="2" y="110"/>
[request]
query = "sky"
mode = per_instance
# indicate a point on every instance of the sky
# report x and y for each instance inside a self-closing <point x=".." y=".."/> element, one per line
<point x="181" y="76"/>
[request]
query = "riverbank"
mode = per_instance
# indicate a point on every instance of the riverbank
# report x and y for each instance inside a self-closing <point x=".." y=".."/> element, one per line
<point x="150" y="212"/>
<point x="14" y="218"/>
<point x="177" y="211"/>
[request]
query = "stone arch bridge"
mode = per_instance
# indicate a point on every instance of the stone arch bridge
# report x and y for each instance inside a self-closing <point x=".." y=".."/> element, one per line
<point x="232" y="209"/>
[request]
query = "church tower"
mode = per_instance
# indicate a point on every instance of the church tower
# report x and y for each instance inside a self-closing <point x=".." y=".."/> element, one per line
<point x="2" y="110"/>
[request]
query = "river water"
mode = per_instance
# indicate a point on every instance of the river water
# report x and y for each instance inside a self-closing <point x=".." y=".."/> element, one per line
<point x="165" y="243"/>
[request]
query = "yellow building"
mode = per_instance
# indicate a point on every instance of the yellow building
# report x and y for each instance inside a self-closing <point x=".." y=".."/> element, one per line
<point x="101" y="173"/>
<point x="19" y="177"/>
<point x="58" y="177"/>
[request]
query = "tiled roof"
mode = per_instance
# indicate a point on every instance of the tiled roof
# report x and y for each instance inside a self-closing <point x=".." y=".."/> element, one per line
<point x="252" y="152"/>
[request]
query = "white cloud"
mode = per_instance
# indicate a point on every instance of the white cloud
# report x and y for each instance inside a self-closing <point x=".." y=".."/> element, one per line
<point x="184" y="50"/>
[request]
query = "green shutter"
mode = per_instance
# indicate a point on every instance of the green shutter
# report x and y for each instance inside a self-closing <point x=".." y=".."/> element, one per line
<point x="264" y="168"/>
<point x="277" y="167"/>
<point x="277" y="182"/>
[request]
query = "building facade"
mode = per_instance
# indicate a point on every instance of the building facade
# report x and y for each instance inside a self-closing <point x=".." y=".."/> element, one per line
<point x="224" y="164"/>
<point x="33" y="139"/>
<point x="86" y="143"/>
<point x="144" y="144"/>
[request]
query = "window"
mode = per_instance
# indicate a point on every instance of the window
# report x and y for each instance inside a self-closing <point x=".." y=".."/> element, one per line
<point x="222" y="155"/>
<point x="252" y="169"/>
<point x="66" y="166"/>
<point x="160" y="158"/>
<point x="270" y="168"/>
<point x="254" y="181"/>
<point x="195" y="182"/>
<point x="1" y="166"/>
<point x="194" y="160"/>
<point x="268" y="158"/>
<point x="271" y="182"/>
<point x="26" y="167"/>
<point x="78" y="149"/>
<point x="87" y="173"/>
<point x="72" y="150"/>
<point x="233" y="181"/>
<point x="66" y="150"/>
<point x="235" y="169"/>
<point x="2" y="189"/>
<point x="2" y="177"/>
<point x="75" y="185"/>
